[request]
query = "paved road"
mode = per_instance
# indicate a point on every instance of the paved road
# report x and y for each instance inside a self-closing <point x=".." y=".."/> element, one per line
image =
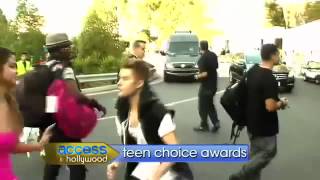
<point x="298" y="151"/>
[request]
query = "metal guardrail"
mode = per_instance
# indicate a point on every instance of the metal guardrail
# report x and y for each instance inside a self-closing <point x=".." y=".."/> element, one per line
<point x="107" y="77"/>
<point x="97" y="77"/>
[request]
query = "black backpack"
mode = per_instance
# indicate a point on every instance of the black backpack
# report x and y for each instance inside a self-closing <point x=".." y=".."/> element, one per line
<point x="31" y="95"/>
<point x="234" y="103"/>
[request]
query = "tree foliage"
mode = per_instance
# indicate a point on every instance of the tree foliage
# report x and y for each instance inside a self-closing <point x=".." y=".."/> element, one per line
<point x="166" y="16"/>
<point x="23" y="33"/>
<point x="8" y="37"/>
<point x="27" y="27"/>
<point x="312" y="11"/>
<point x="99" y="37"/>
<point x="27" y="17"/>
<point x="275" y="14"/>
<point x="31" y="42"/>
<point x="3" y="19"/>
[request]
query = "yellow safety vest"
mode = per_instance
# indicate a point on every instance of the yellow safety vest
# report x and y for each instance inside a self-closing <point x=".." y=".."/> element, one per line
<point x="21" y="69"/>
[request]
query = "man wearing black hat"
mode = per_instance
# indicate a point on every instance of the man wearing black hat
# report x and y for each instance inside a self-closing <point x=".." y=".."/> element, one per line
<point x="59" y="47"/>
<point x="208" y="65"/>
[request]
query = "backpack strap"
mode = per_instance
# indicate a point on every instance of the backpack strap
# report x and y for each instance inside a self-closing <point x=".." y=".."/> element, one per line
<point x="237" y="135"/>
<point x="56" y="72"/>
<point x="232" y="135"/>
<point x="235" y="132"/>
<point x="59" y="73"/>
<point x="53" y="64"/>
<point x="78" y="84"/>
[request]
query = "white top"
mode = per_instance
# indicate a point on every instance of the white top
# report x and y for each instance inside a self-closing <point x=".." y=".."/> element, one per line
<point x="68" y="72"/>
<point x="167" y="126"/>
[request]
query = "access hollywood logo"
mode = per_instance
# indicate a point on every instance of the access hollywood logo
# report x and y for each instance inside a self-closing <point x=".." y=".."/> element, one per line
<point x="79" y="153"/>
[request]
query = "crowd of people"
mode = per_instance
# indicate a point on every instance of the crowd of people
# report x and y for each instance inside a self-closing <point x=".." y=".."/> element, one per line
<point x="143" y="118"/>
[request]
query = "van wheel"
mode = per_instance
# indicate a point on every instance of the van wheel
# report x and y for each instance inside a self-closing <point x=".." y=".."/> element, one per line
<point x="317" y="81"/>
<point x="166" y="78"/>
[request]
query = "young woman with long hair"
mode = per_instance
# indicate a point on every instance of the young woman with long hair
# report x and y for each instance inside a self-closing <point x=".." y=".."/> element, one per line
<point x="11" y="122"/>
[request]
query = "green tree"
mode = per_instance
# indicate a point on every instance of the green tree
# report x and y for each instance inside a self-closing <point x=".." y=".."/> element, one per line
<point x="312" y="11"/>
<point x="275" y="14"/>
<point x="8" y="37"/>
<point x="100" y="36"/>
<point x="27" y="26"/>
<point x="31" y="42"/>
<point x="24" y="33"/>
<point x="3" y="19"/>
<point x="28" y="17"/>
<point x="167" y="16"/>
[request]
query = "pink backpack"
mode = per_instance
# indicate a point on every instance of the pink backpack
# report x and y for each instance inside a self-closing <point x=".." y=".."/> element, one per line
<point x="74" y="119"/>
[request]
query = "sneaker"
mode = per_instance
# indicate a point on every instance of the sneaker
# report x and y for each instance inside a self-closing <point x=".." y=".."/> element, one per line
<point x="215" y="128"/>
<point x="201" y="129"/>
<point x="234" y="177"/>
<point x="42" y="153"/>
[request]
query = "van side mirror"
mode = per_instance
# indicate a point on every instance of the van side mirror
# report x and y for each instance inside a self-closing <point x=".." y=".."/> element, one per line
<point x="163" y="53"/>
<point x="284" y="63"/>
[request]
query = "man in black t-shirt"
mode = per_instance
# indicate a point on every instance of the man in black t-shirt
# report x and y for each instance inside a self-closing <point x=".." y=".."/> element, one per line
<point x="208" y="65"/>
<point x="261" y="114"/>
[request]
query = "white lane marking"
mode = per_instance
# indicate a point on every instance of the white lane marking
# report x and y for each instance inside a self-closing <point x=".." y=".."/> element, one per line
<point x="220" y="92"/>
<point x="116" y="90"/>
<point x="101" y="93"/>
<point x="157" y="82"/>
<point x="188" y="100"/>
<point x="106" y="118"/>
<point x="182" y="101"/>
<point x="168" y="104"/>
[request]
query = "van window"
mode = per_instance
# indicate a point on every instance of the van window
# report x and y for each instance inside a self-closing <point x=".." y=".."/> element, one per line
<point x="253" y="59"/>
<point x="314" y="65"/>
<point x="184" y="48"/>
